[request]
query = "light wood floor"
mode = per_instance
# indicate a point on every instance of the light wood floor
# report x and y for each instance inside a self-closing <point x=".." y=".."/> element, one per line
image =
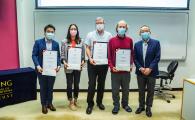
<point x="32" y="110"/>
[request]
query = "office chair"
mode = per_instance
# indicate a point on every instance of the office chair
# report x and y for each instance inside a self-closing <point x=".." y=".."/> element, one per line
<point x="165" y="76"/>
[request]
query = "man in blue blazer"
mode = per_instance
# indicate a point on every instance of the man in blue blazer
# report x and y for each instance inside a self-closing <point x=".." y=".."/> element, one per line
<point x="46" y="82"/>
<point x="147" y="54"/>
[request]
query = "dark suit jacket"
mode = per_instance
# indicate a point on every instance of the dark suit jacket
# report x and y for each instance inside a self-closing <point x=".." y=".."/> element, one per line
<point x="37" y="53"/>
<point x="152" y="58"/>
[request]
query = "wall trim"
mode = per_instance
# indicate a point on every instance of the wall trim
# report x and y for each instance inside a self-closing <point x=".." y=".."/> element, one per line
<point x="106" y="90"/>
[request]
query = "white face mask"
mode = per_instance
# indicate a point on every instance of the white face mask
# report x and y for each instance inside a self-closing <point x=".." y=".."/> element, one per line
<point x="49" y="35"/>
<point x="100" y="27"/>
<point x="73" y="32"/>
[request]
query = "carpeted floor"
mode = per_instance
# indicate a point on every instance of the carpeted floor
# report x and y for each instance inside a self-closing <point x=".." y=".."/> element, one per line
<point x="32" y="110"/>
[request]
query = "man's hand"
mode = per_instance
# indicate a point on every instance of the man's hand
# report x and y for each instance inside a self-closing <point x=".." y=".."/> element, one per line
<point x="147" y="71"/>
<point x="142" y="70"/>
<point x="131" y="68"/>
<point x="114" y="69"/>
<point x="82" y="64"/>
<point x="57" y="69"/>
<point x="39" y="69"/>
<point x="43" y="51"/>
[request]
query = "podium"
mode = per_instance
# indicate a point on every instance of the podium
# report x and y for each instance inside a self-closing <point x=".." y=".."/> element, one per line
<point x="17" y="85"/>
<point x="188" y="104"/>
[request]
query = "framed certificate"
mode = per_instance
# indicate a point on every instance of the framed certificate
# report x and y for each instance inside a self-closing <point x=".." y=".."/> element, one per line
<point x="74" y="58"/>
<point x="49" y="63"/>
<point x="100" y="53"/>
<point x="123" y="57"/>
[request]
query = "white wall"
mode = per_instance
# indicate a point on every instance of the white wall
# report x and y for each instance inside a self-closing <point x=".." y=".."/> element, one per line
<point x="190" y="64"/>
<point x="25" y="18"/>
<point x="172" y="34"/>
<point x="25" y="12"/>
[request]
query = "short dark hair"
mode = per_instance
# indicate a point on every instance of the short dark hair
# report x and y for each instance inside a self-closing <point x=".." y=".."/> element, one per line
<point x="49" y="26"/>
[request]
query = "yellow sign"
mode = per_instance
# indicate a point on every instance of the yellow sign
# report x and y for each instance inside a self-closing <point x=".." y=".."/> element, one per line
<point x="6" y="89"/>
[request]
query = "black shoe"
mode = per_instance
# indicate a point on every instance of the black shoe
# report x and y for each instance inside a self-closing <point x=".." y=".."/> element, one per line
<point x="148" y="112"/>
<point x="51" y="107"/>
<point x="139" y="110"/>
<point x="89" y="110"/>
<point x="115" y="110"/>
<point x="44" y="110"/>
<point x="101" y="106"/>
<point x="127" y="108"/>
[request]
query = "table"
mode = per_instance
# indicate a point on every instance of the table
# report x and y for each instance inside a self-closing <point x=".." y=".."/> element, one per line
<point x="188" y="104"/>
<point x="17" y="85"/>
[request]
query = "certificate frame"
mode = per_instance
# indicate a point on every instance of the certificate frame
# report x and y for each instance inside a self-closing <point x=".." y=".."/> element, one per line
<point x="100" y="57"/>
<point x="122" y="62"/>
<point x="74" y="62"/>
<point x="49" y="63"/>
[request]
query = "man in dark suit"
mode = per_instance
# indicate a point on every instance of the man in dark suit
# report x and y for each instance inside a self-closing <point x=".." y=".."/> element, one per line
<point x="146" y="57"/>
<point x="46" y="82"/>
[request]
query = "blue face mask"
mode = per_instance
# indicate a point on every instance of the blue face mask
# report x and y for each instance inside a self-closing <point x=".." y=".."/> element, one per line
<point x="49" y="35"/>
<point x="121" y="31"/>
<point x="145" y="35"/>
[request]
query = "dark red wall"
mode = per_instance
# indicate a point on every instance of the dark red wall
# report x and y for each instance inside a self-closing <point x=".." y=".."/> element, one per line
<point x="9" y="56"/>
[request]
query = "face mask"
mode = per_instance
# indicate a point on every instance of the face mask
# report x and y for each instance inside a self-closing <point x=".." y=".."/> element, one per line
<point x="145" y="35"/>
<point x="73" y="32"/>
<point x="100" y="27"/>
<point x="49" y="35"/>
<point x="121" y="31"/>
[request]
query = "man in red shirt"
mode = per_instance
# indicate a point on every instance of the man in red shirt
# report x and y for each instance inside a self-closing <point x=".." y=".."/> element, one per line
<point x="120" y="78"/>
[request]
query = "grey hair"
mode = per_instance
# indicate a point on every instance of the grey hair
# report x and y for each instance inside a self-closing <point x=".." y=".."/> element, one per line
<point x="99" y="18"/>
<point x="143" y="27"/>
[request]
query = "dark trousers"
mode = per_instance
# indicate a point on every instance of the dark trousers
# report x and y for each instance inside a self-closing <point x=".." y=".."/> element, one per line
<point x="120" y="80"/>
<point x="143" y="82"/>
<point x="73" y="78"/>
<point x="46" y="89"/>
<point x="96" y="73"/>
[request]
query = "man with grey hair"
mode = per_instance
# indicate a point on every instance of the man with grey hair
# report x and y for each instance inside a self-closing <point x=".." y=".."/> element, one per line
<point x="96" y="72"/>
<point x="120" y="78"/>
<point x="147" y="56"/>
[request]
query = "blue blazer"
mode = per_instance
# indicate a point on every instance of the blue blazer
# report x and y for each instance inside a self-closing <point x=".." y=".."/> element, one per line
<point x="152" y="58"/>
<point x="37" y="53"/>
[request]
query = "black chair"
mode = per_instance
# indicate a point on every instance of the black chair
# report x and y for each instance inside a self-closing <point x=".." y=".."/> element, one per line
<point x="166" y="78"/>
